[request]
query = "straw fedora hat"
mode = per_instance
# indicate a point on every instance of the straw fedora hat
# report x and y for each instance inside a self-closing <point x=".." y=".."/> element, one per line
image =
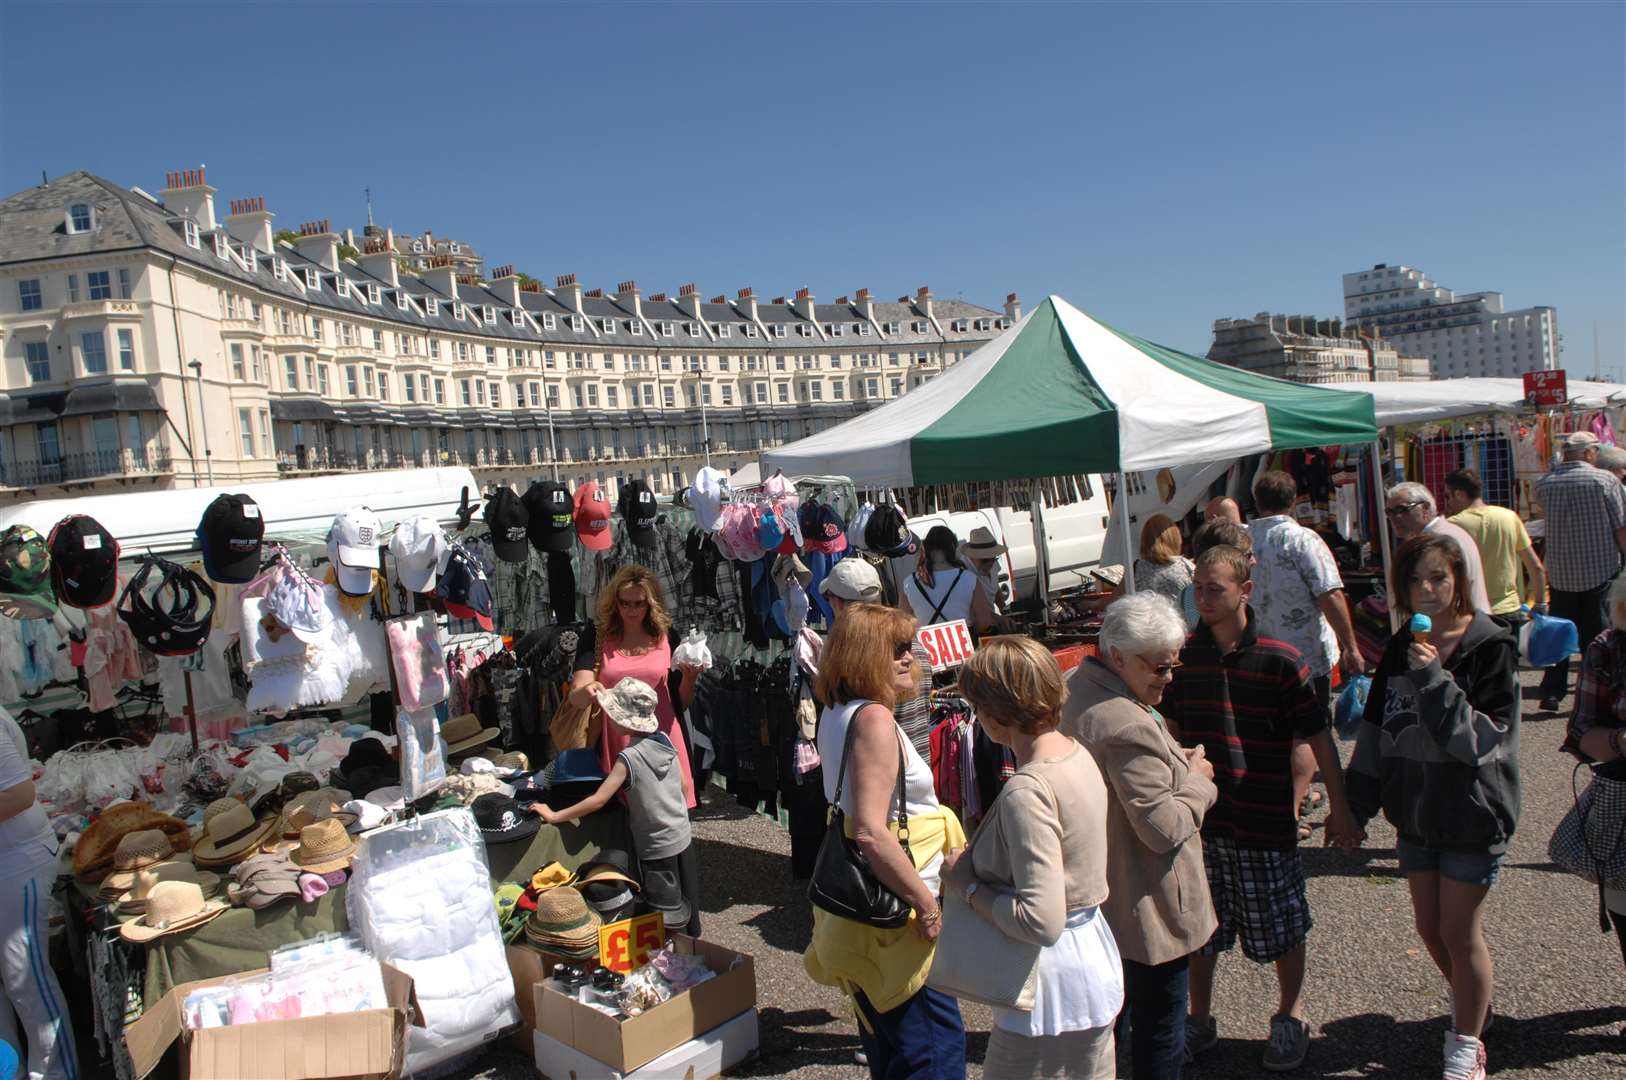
<point x="172" y="906"/>
<point x="231" y="836"/>
<point x="630" y="705"/>
<point x="134" y="902"/>
<point x="464" y="733"/>
<point x="225" y="803"/>
<point x="93" y="854"/>
<point x="982" y="544"/>
<point x="562" y="917"/>
<point x="136" y="852"/>
<point x="313" y="806"/>
<point x="324" y="847"/>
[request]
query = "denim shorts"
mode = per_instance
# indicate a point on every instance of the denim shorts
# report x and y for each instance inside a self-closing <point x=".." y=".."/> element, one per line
<point x="1470" y="868"/>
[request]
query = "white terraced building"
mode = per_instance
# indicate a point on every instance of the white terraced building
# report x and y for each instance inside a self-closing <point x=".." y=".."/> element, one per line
<point x="1470" y="335"/>
<point x="146" y="343"/>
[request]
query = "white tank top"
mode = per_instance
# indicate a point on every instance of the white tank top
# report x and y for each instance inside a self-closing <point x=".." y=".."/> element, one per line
<point x="954" y="597"/>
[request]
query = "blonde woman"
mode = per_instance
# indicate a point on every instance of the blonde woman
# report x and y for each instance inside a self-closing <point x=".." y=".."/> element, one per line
<point x="631" y="642"/>
<point x="1038" y="871"/>
<point x="1161" y="568"/>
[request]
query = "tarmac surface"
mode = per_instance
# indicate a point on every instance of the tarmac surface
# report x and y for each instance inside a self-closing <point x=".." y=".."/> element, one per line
<point x="1376" y="1003"/>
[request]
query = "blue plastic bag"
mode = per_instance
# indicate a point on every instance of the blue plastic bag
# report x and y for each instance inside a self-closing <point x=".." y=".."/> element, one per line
<point x="1548" y="639"/>
<point x="1351" y="706"/>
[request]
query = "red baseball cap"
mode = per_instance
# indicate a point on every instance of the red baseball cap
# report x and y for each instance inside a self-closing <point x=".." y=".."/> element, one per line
<point x="592" y="517"/>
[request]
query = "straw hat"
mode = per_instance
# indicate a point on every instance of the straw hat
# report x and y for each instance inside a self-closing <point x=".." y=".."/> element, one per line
<point x="134" y="902"/>
<point x="631" y="704"/>
<point x="324" y="847"/>
<point x="93" y="854"/>
<point x="230" y="836"/>
<point x="982" y="544"/>
<point x="514" y="762"/>
<point x="563" y="923"/>
<point x="1113" y="575"/>
<point x="217" y="806"/>
<point x="172" y="906"/>
<point x="313" y="806"/>
<point x="464" y="733"/>
<point x="136" y="851"/>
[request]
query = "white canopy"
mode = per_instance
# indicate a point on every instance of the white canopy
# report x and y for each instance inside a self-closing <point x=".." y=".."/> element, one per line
<point x="1443" y="399"/>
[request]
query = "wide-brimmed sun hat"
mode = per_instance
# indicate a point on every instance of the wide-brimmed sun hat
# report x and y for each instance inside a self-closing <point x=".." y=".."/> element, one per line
<point x="464" y="733"/>
<point x="136" y="852"/>
<point x="231" y="836"/>
<point x="93" y="854"/>
<point x="134" y="901"/>
<point x="982" y="545"/>
<point x="324" y="847"/>
<point x="172" y="906"/>
<point x="630" y="705"/>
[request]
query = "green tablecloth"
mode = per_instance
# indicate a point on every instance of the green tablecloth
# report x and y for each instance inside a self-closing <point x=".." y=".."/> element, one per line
<point x="241" y="939"/>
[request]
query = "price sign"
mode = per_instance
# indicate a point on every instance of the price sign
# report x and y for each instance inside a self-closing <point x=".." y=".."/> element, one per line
<point x="1546" y="387"/>
<point x="947" y="644"/>
<point x="628" y="944"/>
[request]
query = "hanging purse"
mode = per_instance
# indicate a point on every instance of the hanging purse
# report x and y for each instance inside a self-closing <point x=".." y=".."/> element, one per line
<point x="843" y="883"/>
<point x="1590" y="841"/>
<point x="568" y="728"/>
<point x="975" y="960"/>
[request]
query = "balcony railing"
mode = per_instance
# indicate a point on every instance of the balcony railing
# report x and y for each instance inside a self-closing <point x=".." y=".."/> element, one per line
<point x="94" y="465"/>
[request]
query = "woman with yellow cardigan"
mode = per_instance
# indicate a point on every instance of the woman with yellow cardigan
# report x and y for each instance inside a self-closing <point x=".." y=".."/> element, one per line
<point x="908" y="1030"/>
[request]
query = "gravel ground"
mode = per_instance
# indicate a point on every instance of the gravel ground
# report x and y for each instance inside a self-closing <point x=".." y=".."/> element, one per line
<point x="1375" y="1000"/>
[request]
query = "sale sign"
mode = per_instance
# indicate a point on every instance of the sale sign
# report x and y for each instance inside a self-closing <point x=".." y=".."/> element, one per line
<point x="1546" y="387"/>
<point x="947" y="644"/>
<point x="628" y="944"/>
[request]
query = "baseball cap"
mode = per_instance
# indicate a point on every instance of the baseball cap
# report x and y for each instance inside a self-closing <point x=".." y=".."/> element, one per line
<point x="1580" y="440"/>
<point x="592" y="517"/>
<point x="509" y="521"/>
<point x="463" y="588"/>
<point x="25" y="575"/>
<point x="352" y="547"/>
<point x="84" y="562"/>
<point x="770" y="529"/>
<point x="230" y="533"/>
<point x="823" y="529"/>
<point x="852" y="579"/>
<point x="418" y="546"/>
<point x="707" y="495"/>
<point x="639" y="511"/>
<point x="887" y="533"/>
<point x="549" y="506"/>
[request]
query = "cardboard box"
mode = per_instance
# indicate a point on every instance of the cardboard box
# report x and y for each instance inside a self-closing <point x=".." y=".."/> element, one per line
<point x="698" y="1059"/>
<point x="367" y="1045"/>
<point x="528" y="967"/>
<point x="629" y="1043"/>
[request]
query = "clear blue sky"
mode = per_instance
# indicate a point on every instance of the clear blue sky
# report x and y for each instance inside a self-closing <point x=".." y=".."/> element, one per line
<point x="1159" y="165"/>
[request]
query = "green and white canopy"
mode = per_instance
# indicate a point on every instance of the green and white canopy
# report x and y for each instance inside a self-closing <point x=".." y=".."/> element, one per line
<point x="1061" y="393"/>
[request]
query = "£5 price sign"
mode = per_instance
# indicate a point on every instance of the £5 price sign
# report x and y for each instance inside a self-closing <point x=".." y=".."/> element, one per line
<point x="628" y="944"/>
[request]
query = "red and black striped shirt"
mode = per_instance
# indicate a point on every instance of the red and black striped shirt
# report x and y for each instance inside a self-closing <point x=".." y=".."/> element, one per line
<point x="1246" y="708"/>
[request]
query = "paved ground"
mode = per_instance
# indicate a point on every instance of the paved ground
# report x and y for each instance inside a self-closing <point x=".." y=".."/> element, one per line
<point x="1376" y="1001"/>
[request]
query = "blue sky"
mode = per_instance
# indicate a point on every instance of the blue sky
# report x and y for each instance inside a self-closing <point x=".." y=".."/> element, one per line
<point x="1158" y="165"/>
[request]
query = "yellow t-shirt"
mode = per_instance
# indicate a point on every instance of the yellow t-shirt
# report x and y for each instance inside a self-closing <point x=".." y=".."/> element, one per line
<point x="1500" y="536"/>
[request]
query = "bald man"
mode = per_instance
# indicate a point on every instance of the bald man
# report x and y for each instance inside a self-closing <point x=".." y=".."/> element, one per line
<point x="1223" y="508"/>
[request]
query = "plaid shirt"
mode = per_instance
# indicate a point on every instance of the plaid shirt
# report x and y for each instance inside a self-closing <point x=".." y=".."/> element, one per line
<point x="1584" y="506"/>
<point x="1600" y="693"/>
<point x="1246" y="707"/>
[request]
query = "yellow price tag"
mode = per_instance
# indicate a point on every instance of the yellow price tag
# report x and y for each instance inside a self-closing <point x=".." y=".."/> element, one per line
<point x="628" y="944"/>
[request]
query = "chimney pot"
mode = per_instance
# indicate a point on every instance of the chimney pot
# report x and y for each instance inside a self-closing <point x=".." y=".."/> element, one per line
<point x="565" y="279"/>
<point x="863" y="294"/>
<point x="746" y="292"/>
<point x="719" y="299"/>
<point x="627" y="287"/>
<point x="802" y="293"/>
<point x="1010" y="298"/>
<point x="688" y="290"/>
<point x="923" y="291"/>
<point x="843" y="301"/>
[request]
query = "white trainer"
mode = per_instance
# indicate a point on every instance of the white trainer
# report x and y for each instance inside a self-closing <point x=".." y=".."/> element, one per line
<point x="1464" y="1057"/>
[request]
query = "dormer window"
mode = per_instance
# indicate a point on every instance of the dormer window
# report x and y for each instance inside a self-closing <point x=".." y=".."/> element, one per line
<point x="341" y="287"/>
<point x="607" y="325"/>
<point x="960" y="326"/>
<point x="401" y="302"/>
<point x="778" y="330"/>
<point x="805" y="329"/>
<point x="313" y="280"/>
<point x="222" y="249"/>
<point x="668" y="329"/>
<point x="374" y="293"/>
<point x="750" y="330"/>
<point x="81" y="218"/>
<point x="431" y="306"/>
<point x="985" y="324"/>
<point x="863" y="328"/>
<point x="694" y="329"/>
<point x="637" y="328"/>
<point x="279" y="268"/>
<point x="576" y="324"/>
<point x="724" y="330"/>
<point x="919" y="327"/>
<point x="417" y="247"/>
<point x="455" y="248"/>
<point x="488" y="313"/>
<point x="894" y="328"/>
<point x="548" y="321"/>
<point x="189" y="229"/>
<point x="250" y="263"/>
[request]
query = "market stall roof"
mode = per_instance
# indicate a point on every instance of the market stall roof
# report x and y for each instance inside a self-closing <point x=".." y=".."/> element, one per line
<point x="1062" y="393"/>
<point x="1443" y="399"/>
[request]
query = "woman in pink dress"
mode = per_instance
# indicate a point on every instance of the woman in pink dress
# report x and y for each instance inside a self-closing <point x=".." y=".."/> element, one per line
<point x="632" y="623"/>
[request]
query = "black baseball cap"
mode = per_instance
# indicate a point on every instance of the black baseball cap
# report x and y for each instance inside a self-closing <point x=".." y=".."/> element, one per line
<point x="84" y="562"/>
<point x="505" y="512"/>
<point x="552" y="525"/>
<point x="230" y="534"/>
<point x="887" y="533"/>
<point x="463" y="588"/>
<point x="639" y="510"/>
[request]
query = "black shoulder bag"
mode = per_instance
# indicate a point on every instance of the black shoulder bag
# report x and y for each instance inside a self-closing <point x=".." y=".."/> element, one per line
<point x="843" y="883"/>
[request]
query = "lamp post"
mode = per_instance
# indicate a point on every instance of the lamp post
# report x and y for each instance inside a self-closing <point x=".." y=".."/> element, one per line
<point x="553" y="445"/>
<point x="705" y="428"/>
<point x="203" y="419"/>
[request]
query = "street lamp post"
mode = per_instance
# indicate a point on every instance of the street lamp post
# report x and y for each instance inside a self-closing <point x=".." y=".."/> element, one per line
<point x="203" y="419"/>
<point x="705" y="428"/>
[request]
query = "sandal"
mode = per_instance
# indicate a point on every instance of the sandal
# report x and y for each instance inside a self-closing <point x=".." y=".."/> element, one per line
<point x="1305" y="829"/>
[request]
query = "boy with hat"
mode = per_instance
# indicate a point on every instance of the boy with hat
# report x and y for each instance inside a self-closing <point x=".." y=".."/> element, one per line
<point x="656" y="804"/>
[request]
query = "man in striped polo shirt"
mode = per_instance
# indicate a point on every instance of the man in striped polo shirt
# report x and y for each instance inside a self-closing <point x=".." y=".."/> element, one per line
<point x="1245" y="699"/>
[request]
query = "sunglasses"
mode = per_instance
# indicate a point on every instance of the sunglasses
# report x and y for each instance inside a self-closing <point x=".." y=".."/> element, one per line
<point x="1162" y="671"/>
<point x="633" y="605"/>
<point x="902" y="650"/>
<point x="1403" y="508"/>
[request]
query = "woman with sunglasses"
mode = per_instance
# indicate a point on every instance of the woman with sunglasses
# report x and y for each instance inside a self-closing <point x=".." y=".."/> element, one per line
<point x="907" y="1030"/>
<point x="1157" y="905"/>
<point x="631" y="641"/>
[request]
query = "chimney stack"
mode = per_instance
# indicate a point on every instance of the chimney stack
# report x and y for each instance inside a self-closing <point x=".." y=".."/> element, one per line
<point x="378" y="259"/>
<point x="627" y="295"/>
<point x="505" y="283"/>
<point x="318" y="243"/>
<point x="441" y="276"/>
<point x="747" y="303"/>
<point x="923" y="301"/>
<point x="569" y="292"/>
<point x="865" y="304"/>
<point x="689" y="299"/>
<point x="187" y="194"/>
<point x="1013" y="307"/>
<point x="804" y="304"/>
<point x="250" y="223"/>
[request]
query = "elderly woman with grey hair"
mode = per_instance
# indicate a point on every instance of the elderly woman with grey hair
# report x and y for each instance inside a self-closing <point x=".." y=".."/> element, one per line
<point x="1158" y="905"/>
<point x="1412" y="512"/>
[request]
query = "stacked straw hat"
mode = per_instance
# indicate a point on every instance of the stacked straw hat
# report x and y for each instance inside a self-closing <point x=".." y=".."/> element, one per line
<point x="134" y="901"/>
<point x="136" y="851"/>
<point x="563" y="925"/>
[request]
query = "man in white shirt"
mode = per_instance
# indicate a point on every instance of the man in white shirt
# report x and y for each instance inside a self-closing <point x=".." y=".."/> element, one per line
<point x="1412" y="513"/>
<point x="28" y="861"/>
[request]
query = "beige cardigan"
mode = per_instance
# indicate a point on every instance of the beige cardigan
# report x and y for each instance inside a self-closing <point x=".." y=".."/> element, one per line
<point x="1044" y="846"/>
<point x="1158" y="905"/>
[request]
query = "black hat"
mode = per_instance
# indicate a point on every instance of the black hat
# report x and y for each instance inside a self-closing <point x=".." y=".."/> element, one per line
<point x="169" y="617"/>
<point x="551" y="526"/>
<point x="663" y="893"/>
<point x="84" y="562"/>
<point x="887" y="533"/>
<point x="367" y="766"/>
<point x="501" y="819"/>
<point x="508" y="518"/>
<point x="463" y="588"/>
<point x="639" y="511"/>
<point x="230" y="534"/>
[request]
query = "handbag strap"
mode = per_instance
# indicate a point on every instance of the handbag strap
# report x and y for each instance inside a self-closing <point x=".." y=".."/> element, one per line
<point x="841" y="773"/>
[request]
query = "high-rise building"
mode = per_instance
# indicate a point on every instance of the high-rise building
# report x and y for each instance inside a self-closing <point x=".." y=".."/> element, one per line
<point x="1302" y="348"/>
<point x="144" y="343"/>
<point x="1467" y="335"/>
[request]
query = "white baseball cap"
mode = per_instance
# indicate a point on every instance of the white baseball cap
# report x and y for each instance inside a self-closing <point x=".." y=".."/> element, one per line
<point x="352" y="547"/>
<point x="852" y="579"/>
<point x="418" y="546"/>
<point x="707" y="496"/>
